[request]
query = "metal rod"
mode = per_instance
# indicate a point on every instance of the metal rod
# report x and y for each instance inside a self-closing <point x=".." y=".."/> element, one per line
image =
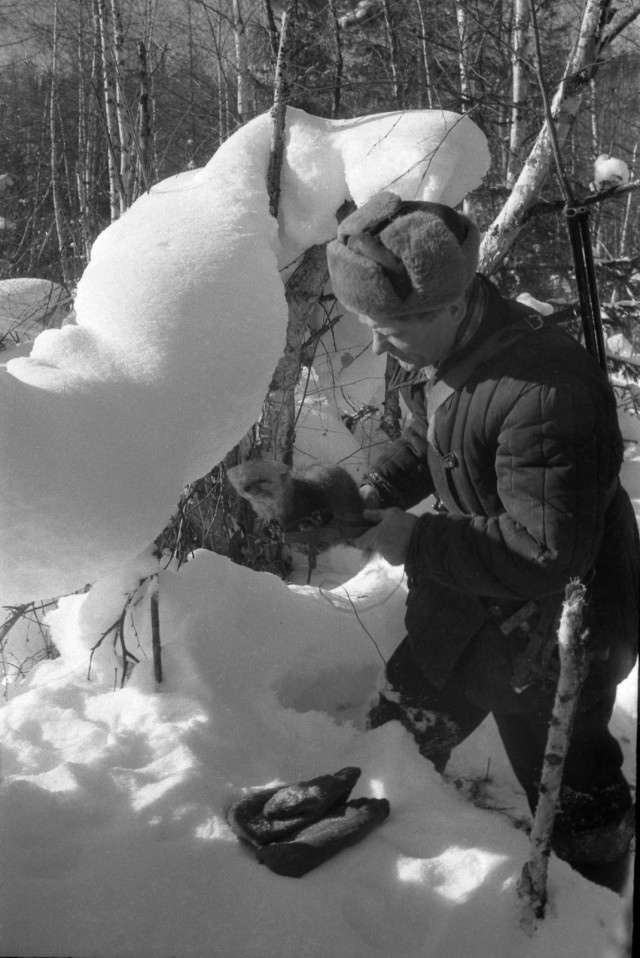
<point x="578" y="228"/>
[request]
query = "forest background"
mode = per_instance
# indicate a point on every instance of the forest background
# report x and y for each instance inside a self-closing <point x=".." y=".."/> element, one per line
<point x="100" y="99"/>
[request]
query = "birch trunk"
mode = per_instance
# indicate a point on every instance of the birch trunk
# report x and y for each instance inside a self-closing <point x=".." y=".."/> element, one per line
<point x="54" y="158"/>
<point x="463" y="56"/>
<point x="337" y="82"/>
<point x="242" y="64"/>
<point x="304" y="287"/>
<point x="582" y="65"/>
<point x="303" y="290"/>
<point x="144" y="174"/>
<point x="109" y="102"/>
<point x="519" y="88"/>
<point x="425" y="56"/>
<point x="121" y="111"/>
<point x="87" y="134"/>
<point x="279" y="109"/>
<point x="573" y="669"/>
<point x="392" y="46"/>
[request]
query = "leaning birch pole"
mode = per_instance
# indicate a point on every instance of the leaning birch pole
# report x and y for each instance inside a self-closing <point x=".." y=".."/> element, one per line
<point x="582" y="65"/>
<point x="278" y="413"/>
<point x="303" y="290"/>
<point x="532" y="887"/>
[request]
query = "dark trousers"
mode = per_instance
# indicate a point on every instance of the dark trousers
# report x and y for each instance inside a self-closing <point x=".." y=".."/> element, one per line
<point x="595" y="798"/>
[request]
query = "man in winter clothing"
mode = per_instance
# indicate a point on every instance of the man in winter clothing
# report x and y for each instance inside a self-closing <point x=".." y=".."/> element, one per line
<point x="515" y="434"/>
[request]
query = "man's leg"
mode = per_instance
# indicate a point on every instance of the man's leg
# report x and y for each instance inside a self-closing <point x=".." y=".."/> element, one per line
<point x="438" y="719"/>
<point x="594" y="824"/>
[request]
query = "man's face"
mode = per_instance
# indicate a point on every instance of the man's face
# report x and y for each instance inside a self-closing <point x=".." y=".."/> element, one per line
<point x="418" y="339"/>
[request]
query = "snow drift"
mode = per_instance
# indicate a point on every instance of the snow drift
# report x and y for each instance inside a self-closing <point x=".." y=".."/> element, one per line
<point x="112" y="820"/>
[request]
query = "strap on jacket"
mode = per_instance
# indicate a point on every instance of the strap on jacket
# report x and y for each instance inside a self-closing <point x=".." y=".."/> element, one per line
<point x="456" y="376"/>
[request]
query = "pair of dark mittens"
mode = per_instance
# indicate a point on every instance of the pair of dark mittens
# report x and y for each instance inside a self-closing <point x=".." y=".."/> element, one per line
<point x="295" y="828"/>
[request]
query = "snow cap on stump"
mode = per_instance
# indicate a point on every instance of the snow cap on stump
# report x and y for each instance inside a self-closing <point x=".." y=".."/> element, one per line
<point x="393" y="257"/>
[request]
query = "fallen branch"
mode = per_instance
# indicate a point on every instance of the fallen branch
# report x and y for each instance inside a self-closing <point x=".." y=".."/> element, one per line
<point x="532" y="887"/>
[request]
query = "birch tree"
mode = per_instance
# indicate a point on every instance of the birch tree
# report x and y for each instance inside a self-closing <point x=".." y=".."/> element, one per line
<point x="242" y="64"/>
<point x="117" y="65"/>
<point x="581" y="66"/>
<point x="519" y="88"/>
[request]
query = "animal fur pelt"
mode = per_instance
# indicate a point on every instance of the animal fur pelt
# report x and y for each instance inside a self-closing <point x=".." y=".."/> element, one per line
<point x="320" y="497"/>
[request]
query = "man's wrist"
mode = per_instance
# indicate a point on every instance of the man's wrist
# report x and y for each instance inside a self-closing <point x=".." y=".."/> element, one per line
<point x="386" y="494"/>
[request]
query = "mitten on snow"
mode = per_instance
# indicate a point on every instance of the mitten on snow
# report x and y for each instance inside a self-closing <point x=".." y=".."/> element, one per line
<point x="295" y="828"/>
<point x="342" y="827"/>
<point x="270" y="814"/>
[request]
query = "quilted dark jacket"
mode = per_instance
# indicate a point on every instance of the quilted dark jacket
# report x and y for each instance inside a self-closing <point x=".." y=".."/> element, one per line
<point x="524" y="458"/>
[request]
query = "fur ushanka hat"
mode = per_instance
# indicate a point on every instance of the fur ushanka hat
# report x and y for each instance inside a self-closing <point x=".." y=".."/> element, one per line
<point x="393" y="257"/>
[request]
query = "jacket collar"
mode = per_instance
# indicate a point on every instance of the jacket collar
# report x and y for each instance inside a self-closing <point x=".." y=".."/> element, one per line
<point x="486" y="312"/>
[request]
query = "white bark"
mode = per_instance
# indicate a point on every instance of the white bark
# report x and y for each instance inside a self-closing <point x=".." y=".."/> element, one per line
<point x="393" y="53"/>
<point x="463" y="55"/>
<point x="303" y="290"/>
<point x="573" y="668"/>
<point x="121" y="111"/>
<point x="111" y="120"/>
<point x="425" y="55"/>
<point x="581" y="66"/>
<point x="519" y="88"/>
<point x="279" y="109"/>
<point x="243" y="98"/>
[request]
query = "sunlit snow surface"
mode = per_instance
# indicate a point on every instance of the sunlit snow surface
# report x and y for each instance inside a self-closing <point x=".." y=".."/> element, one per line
<point x="112" y="819"/>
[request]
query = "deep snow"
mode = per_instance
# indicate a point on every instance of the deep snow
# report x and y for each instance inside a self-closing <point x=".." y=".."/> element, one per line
<point x="112" y="822"/>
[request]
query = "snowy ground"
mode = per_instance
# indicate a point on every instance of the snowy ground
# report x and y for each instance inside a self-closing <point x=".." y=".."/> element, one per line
<point x="112" y="823"/>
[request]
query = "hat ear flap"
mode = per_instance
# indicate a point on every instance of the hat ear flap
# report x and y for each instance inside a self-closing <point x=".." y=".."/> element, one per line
<point x="369" y="218"/>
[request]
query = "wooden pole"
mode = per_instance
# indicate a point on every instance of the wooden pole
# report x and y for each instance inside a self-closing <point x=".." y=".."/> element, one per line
<point x="532" y="887"/>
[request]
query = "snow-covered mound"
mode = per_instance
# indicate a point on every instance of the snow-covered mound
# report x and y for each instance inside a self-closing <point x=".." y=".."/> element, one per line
<point x="181" y="319"/>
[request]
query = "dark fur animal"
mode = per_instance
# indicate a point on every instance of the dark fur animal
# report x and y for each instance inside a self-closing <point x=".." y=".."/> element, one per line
<point x="320" y="496"/>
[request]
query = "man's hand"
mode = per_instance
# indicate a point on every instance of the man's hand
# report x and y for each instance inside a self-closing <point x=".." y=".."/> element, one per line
<point x="369" y="496"/>
<point x="390" y="537"/>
